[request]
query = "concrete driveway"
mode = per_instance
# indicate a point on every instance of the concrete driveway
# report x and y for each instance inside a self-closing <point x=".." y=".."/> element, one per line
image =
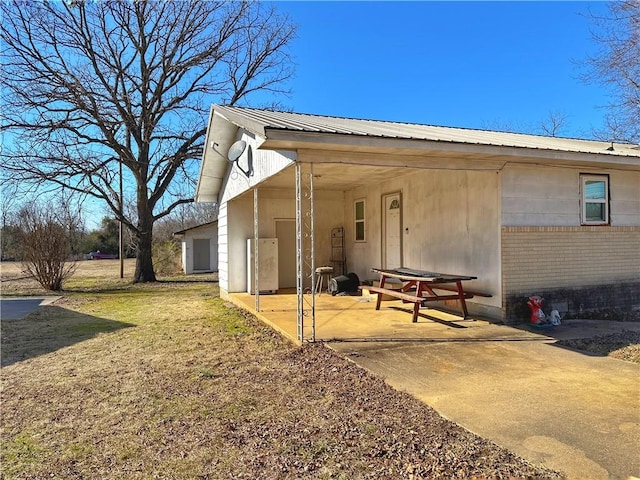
<point x="567" y="410"/>
<point x="564" y="409"/>
<point x="15" y="308"/>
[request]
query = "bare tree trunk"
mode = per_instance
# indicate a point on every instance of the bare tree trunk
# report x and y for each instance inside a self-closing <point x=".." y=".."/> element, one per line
<point x="144" y="238"/>
<point x="144" y="261"/>
<point x="127" y="93"/>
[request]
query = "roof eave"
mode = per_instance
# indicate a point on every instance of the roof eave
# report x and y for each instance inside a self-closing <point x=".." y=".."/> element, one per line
<point x="220" y="135"/>
<point x="239" y="120"/>
<point x="278" y="139"/>
<point x="202" y="225"/>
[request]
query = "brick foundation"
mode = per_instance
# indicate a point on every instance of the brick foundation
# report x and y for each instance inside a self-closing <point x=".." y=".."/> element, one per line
<point x="578" y="270"/>
<point x="619" y="301"/>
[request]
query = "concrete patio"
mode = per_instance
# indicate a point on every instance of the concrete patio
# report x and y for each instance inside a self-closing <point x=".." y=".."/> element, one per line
<point x="349" y="318"/>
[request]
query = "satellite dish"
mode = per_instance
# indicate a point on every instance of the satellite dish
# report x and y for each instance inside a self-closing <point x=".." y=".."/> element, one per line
<point x="236" y="150"/>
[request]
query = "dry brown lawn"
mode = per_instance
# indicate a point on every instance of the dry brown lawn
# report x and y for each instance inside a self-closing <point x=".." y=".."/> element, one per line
<point x="90" y="275"/>
<point x="120" y="381"/>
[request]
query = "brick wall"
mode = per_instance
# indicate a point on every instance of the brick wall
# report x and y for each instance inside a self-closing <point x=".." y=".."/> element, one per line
<point x="576" y="269"/>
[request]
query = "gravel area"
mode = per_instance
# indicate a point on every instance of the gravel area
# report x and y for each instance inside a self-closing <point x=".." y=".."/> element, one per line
<point x="624" y="345"/>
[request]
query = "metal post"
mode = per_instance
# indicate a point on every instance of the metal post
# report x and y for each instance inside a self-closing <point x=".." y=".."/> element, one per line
<point x="256" y="270"/>
<point x="299" y="263"/>
<point x="312" y="253"/>
<point x="305" y="248"/>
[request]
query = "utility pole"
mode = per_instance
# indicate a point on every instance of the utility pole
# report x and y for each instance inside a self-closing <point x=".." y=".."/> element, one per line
<point x="120" y="233"/>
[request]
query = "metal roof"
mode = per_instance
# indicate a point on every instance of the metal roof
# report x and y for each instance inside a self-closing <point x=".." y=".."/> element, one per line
<point x="262" y="122"/>
<point x="202" y="225"/>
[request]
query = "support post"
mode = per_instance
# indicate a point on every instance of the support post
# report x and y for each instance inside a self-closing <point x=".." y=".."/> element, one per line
<point x="312" y="253"/>
<point x="256" y="270"/>
<point x="305" y="250"/>
<point x="121" y="229"/>
<point x="299" y="264"/>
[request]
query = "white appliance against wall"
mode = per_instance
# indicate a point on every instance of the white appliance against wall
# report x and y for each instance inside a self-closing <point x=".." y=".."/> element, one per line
<point x="267" y="265"/>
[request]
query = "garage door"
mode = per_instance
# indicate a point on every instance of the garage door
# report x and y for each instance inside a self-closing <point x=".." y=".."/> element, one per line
<point x="201" y="254"/>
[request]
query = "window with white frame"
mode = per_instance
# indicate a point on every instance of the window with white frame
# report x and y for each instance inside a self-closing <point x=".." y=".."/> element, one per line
<point x="359" y="211"/>
<point x="595" y="199"/>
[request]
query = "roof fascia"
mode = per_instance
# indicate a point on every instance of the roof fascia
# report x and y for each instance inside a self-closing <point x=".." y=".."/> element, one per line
<point x="241" y="120"/>
<point x="278" y="139"/>
<point x="203" y="225"/>
<point x="213" y="169"/>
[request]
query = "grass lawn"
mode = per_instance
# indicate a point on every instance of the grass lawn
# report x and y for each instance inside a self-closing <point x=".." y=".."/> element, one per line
<point x="166" y="380"/>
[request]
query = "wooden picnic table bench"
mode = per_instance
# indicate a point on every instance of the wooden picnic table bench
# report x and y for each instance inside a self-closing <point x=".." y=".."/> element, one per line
<point x="419" y="288"/>
<point x="405" y="297"/>
<point x="471" y="293"/>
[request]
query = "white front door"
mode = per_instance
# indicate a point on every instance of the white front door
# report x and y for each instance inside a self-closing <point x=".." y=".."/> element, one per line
<point x="392" y="230"/>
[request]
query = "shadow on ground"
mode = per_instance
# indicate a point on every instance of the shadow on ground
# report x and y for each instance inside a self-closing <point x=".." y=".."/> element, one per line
<point x="590" y="337"/>
<point x="188" y="280"/>
<point x="49" y="329"/>
<point x="604" y="345"/>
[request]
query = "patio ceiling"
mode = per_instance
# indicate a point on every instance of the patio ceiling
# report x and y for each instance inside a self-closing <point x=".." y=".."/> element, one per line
<point x="330" y="176"/>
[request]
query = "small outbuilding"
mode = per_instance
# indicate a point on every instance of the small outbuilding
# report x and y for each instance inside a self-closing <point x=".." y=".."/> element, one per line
<point x="199" y="248"/>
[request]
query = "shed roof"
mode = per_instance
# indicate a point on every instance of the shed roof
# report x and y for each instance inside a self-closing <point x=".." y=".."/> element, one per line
<point x="203" y="225"/>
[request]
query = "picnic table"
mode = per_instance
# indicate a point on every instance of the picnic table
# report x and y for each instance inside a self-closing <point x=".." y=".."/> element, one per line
<point x="420" y="287"/>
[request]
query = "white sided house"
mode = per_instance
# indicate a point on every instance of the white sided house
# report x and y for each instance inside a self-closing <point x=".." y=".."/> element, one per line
<point x="527" y="215"/>
<point x="199" y="248"/>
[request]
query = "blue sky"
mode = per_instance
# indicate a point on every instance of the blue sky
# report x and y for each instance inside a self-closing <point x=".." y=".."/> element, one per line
<point x="484" y="65"/>
<point x="465" y="64"/>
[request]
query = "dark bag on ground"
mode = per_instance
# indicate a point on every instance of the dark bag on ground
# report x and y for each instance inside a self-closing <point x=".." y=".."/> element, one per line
<point x="344" y="284"/>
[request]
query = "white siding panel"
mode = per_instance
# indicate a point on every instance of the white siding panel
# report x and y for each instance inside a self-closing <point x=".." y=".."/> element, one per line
<point x="563" y="206"/>
<point x="550" y="196"/>
<point x="265" y="164"/>
<point x="240" y="213"/>
<point x="273" y="204"/>
<point x="185" y="268"/>
<point x="280" y="204"/>
<point x="450" y="225"/>
<point x="223" y="258"/>
<point x="624" y="188"/>
<point x="540" y="196"/>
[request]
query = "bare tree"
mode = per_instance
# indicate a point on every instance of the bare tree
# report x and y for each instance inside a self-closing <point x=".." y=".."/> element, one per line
<point x="8" y="228"/>
<point x="554" y="123"/>
<point x="46" y="247"/>
<point x="617" y="64"/>
<point x="89" y="88"/>
<point x="508" y="126"/>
